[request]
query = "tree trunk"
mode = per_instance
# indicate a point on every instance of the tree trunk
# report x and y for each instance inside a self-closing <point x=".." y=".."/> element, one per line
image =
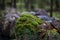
<point x="14" y="3"/>
<point x="2" y="4"/>
<point x="51" y="8"/>
<point x="29" y="4"/>
<point x="26" y="4"/>
<point x="32" y="6"/>
<point x="57" y="4"/>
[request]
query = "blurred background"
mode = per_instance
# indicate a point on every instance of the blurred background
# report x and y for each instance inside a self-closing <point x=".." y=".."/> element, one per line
<point x="28" y="5"/>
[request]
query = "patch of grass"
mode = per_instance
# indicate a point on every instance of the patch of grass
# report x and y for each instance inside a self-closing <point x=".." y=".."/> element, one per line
<point x="55" y="14"/>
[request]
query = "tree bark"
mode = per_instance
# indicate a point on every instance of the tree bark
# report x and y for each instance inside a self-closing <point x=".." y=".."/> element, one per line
<point x="51" y="10"/>
<point x="57" y="4"/>
<point x="2" y="4"/>
<point x="14" y="3"/>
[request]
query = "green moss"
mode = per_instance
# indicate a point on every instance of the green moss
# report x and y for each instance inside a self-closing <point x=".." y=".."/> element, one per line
<point x="27" y="21"/>
<point x="52" y="35"/>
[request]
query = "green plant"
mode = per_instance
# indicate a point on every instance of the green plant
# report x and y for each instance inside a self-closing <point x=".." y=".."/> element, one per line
<point x="28" y="21"/>
<point x="52" y="35"/>
<point x="27" y="24"/>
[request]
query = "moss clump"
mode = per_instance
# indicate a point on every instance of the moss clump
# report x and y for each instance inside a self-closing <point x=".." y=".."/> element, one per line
<point x="52" y="35"/>
<point x="27" y="21"/>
